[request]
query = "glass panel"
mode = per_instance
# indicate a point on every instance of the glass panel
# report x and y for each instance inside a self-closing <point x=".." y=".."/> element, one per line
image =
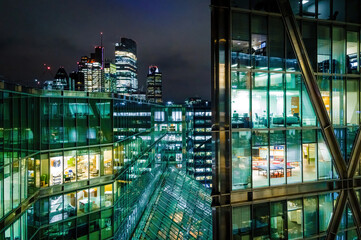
<point x="259" y="100"/>
<point x="56" y="208"/>
<point x="56" y="168"/>
<point x="309" y="155"/>
<point x="94" y="194"/>
<point x="241" y="220"/>
<point x="69" y="166"/>
<point x="241" y="160"/>
<point x="310" y="211"/>
<point x="82" y="164"/>
<point x="278" y="223"/>
<point x="309" y="8"/>
<point x="294" y="216"/>
<point x="308" y="34"/>
<point x="16" y="184"/>
<point x="94" y="160"/>
<point x="277" y="44"/>
<point x="291" y="61"/>
<point x="293" y="99"/>
<point x="260" y="159"/>
<point x="107" y="161"/>
<point x="338" y="101"/>
<point x="277" y="158"/>
<point x="294" y="156"/>
<point x="240" y="41"/>
<point x="338" y="10"/>
<point x="308" y="114"/>
<point x="69" y="205"/>
<point x="338" y="50"/>
<point x="352" y="52"/>
<point x="240" y="99"/>
<point x="324" y="159"/>
<point x="44" y="177"/>
<point x="82" y="198"/>
<point x="324" y="86"/>
<point x="325" y="211"/>
<point x="277" y="104"/>
<point x="261" y="221"/>
<point x="352" y="102"/>
<point x="107" y="196"/>
<point x="324" y="9"/>
<point x="324" y="49"/>
<point x="259" y="42"/>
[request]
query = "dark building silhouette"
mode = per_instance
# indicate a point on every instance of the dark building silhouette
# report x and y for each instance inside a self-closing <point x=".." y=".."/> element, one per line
<point x="154" y="85"/>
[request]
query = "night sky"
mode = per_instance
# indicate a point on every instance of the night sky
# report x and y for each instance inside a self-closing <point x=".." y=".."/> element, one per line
<point x="172" y="34"/>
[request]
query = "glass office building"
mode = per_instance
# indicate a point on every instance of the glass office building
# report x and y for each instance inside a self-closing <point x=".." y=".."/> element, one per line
<point x="286" y="115"/>
<point x="82" y="165"/>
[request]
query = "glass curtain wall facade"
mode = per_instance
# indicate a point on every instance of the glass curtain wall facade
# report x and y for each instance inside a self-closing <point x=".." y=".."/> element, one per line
<point x="70" y="162"/>
<point x="268" y="141"/>
<point x="199" y="142"/>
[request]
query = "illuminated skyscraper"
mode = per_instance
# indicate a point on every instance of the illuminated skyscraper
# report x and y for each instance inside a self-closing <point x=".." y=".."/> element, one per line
<point x="92" y="68"/>
<point x="126" y="66"/>
<point x="154" y="85"/>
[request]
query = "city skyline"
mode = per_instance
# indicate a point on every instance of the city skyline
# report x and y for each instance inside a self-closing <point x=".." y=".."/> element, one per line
<point x="40" y="34"/>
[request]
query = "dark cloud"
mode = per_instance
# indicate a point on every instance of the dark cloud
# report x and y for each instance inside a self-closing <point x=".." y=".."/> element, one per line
<point x="171" y="34"/>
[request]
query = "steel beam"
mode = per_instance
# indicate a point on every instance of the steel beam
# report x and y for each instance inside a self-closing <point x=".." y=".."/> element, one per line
<point x="356" y="210"/>
<point x="311" y="86"/>
<point x="337" y="216"/>
<point x="355" y="156"/>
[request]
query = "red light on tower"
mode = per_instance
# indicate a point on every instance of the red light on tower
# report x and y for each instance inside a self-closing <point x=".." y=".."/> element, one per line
<point x="48" y="68"/>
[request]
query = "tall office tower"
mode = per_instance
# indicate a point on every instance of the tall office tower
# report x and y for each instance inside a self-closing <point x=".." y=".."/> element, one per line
<point x="126" y="64"/>
<point x="93" y="70"/>
<point x="199" y="140"/>
<point x="109" y="82"/>
<point x="154" y="85"/>
<point x="60" y="81"/>
<point x="77" y="79"/>
<point x="286" y="117"/>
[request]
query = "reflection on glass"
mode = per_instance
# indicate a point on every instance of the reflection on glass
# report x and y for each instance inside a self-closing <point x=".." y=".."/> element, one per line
<point x="241" y="160"/>
<point x="309" y="8"/>
<point x="309" y="162"/>
<point x="259" y="42"/>
<point x="324" y="9"/>
<point x="277" y="49"/>
<point x="325" y="211"/>
<point x="310" y="215"/>
<point x="324" y="49"/>
<point x="260" y="159"/>
<point x="240" y="41"/>
<point x="56" y="208"/>
<point x="94" y="195"/>
<point x="278" y="220"/>
<point x="276" y="98"/>
<point x="294" y="155"/>
<point x="260" y="100"/>
<point x="338" y="50"/>
<point x="106" y="195"/>
<point x="308" y="114"/>
<point x="240" y="99"/>
<point x="352" y="52"/>
<point x="295" y="219"/>
<point x="261" y="221"/>
<point x="324" y="86"/>
<point x="241" y="221"/>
